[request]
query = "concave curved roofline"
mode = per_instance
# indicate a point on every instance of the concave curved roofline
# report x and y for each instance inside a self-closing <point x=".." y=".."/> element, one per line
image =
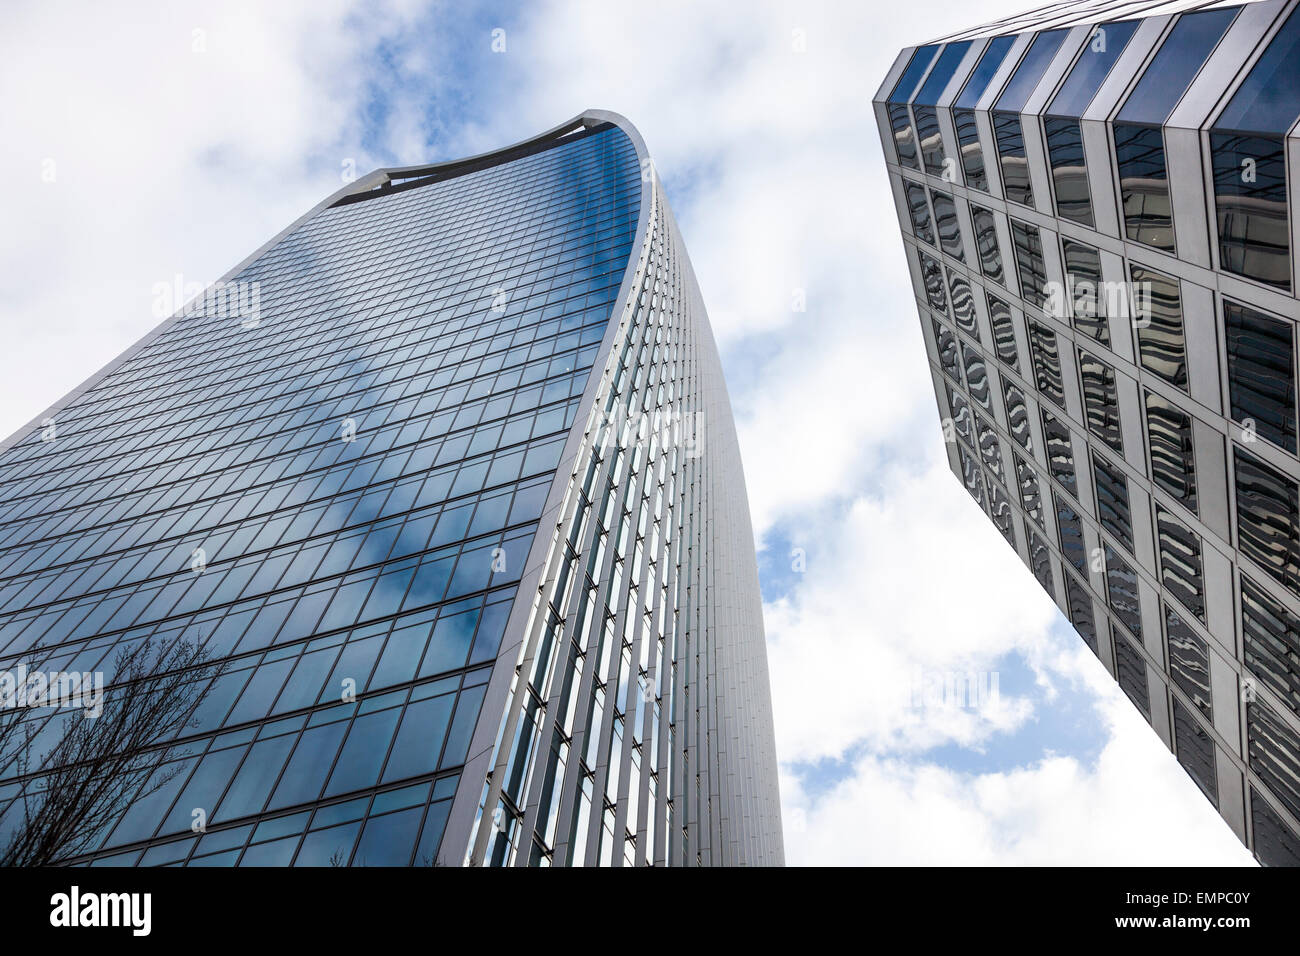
<point x="371" y="182"/>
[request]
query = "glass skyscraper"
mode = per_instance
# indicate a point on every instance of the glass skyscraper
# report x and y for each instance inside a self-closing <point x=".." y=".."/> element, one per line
<point x="1093" y="199"/>
<point x="442" y="487"/>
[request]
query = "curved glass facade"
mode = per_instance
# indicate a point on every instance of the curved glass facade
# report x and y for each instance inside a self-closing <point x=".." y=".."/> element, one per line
<point x="327" y="497"/>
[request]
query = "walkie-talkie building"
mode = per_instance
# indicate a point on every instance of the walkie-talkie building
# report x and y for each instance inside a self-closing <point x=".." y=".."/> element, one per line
<point x="1094" y="205"/>
<point x="439" y="494"/>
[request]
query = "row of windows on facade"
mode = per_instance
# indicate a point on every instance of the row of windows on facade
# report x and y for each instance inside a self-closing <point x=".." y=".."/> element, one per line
<point x="1246" y="145"/>
<point x="1271" y="637"/>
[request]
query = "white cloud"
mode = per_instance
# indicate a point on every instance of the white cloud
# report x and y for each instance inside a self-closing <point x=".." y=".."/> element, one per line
<point x="1130" y="810"/>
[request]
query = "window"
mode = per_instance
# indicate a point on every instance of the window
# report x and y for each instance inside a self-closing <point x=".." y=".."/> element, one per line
<point x="1268" y="512"/>
<point x="1029" y="263"/>
<point x="932" y="277"/>
<point x="946" y="345"/>
<point x="1040" y="559"/>
<point x="1084" y="289"/>
<point x="1100" y="400"/>
<point x="1070" y="529"/>
<point x="977" y="377"/>
<point x="1261" y="374"/>
<point x="1004" y="332"/>
<point x="1069" y="170"/>
<point x="1064" y="137"/>
<point x="899" y="121"/>
<point x="963" y="304"/>
<point x="1158" y="314"/>
<point x="972" y="153"/>
<point x="1194" y="749"/>
<point x="1271" y="643"/>
<point x="1276" y="844"/>
<point x="904" y="140"/>
<point x="945" y="216"/>
<point x="939" y="77"/>
<point x="1002" y="515"/>
<point x="1060" y="452"/>
<point x="963" y="111"/>
<point x="1122" y="592"/>
<point x="1011" y="155"/>
<point x="1099" y="54"/>
<point x="1112" y="500"/>
<point x="971" y="476"/>
<point x="1080" y="608"/>
<point x="1272" y="746"/>
<point x="1131" y="672"/>
<point x="919" y="211"/>
<point x="986" y="241"/>
<point x="1031" y="497"/>
<point x="984" y="72"/>
<point x="1189" y="662"/>
<point x="1173" y="464"/>
<point x="1017" y="414"/>
<point x="1249" y="162"/>
<point x="1180" y="563"/>
<point x="990" y="450"/>
<point x="1144" y="185"/>
<point x="1250" y="207"/>
<point x="961" y="413"/>
<point x="1047" y="363"/>
<point x="1172" y="69"/>
<point x="929" y="139"/>
<point x="1139" y="143"/>
<point x="1030" y="71"/>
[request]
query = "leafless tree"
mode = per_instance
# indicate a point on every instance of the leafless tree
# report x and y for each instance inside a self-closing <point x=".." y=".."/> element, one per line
<point x="99" y="764"/>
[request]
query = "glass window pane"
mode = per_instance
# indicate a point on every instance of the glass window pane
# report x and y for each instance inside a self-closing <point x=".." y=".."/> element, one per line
<point x="1030" y="70"/>
<point x="1180" y="562"/>
<point x="1250" y="207"/>
<point x="1112" y="500"/>
<point x="1099" y="54"/>
<point x="919" y="212"/>
<point x="1080" y="608"/>
<point x="1100" y="400"/>
<point x="1069" y="170"/>
<point x="1158" y="314"/>
<point x="989" y="62"/>
<point x="1009" y="135"/>
<point x="986" y="242"/>
<point x="1131" y="671"/>
<point x="1070" y="528"/>
<point x="1268" y="100"/>
<point x="1271" y="643"/>
<point x="1195" y="751"/>
<point x="1085" y="289"/>
<point x="1060" y="451"/>
<point x="1122" y="591"/>
<point x="1030" y="266"/>
<point x="1173" y="463"/>
<point x="1004" y="334"/>
<point x="1268" y="514"/>
<point x="1261" y="374"/>
<point x="1189" y="661"/>
<point x="972" y="153"/>
<point x="939" y="77"/>
<point x="1171" y="70"/>
<point x="910" y="79"/>
<point x="1144" y="185"/>
<point x="945" y="217"/>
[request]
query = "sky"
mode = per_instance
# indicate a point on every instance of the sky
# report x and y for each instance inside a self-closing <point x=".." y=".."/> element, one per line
<point x="152" y="141"/>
